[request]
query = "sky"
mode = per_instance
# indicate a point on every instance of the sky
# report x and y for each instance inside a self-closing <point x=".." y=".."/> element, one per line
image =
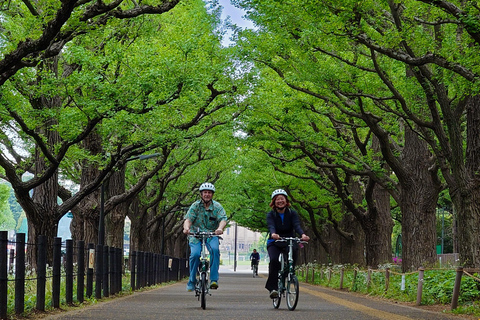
<point x="236" y="16"/>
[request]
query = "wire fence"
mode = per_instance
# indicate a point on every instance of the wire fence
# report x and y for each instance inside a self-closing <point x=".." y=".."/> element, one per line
<point x="425" y="285"/>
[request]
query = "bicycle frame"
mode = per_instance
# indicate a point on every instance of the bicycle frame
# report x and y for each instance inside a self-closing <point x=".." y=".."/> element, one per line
<point x="288" y="286"/>
<point x="201" y="287"/>
<point x="255" y="268"/>
<point x="287" y="269"/>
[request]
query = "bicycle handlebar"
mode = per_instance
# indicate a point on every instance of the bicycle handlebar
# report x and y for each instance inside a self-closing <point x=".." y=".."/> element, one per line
<point x="295" y="239"/>
<point x="204" y="234"/>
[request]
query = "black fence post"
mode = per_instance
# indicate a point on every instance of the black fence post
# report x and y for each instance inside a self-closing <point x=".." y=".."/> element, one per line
<point x="119" y="264"/>
<point x="56" y="272"/>
<point x="90" y="265"/>
<point x="155" y="268"/>
<point x="3" y="274"/>
<point x="98" y="271"/>
<point x="12" y="259"/>
<point x="149" y="263"/>
<point x="176" y="268"/>
<point x="146" y="267"/>
<point x="80" y="270"/>
<point x="41" y="272"/>
<point x="105" y="283"/>
<point x="133" y="261"/>
<point x="112" y="271"/>
<point x="140" y="270"/>
<point x="20" y="274"/>
<point x="69" y="271"/>
<point x="165" y="268"/>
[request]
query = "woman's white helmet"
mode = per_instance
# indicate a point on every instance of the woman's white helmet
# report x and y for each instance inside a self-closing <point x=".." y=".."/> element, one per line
<point x="207" y="186"/>
<point x="279" y="191"/>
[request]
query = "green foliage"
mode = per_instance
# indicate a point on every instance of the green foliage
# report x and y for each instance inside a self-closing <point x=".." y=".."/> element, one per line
<point x="7" y="221"/>
<point x="438" y="284"/>
<point x="14" y="206"/>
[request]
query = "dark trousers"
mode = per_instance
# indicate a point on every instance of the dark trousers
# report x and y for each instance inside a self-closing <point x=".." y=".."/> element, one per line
<point x="274" y="265"/>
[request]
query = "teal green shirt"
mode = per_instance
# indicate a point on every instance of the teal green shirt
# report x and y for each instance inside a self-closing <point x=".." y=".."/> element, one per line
<point x="205" y="219"/>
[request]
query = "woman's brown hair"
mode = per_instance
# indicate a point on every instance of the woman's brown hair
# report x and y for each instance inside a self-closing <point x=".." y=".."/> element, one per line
<point x="272" y="203"/>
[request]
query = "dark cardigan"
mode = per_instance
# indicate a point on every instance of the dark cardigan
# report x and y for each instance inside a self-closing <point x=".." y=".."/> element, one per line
<point x="285" y="228"/>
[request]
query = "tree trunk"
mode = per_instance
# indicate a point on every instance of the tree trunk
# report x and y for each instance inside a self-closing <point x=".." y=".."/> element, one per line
<point x="86" y="214"/>
<point x="376" y="222"/>
<point x="115" y="219"/>
<point x="466" y="193"/>
<point x="43" y="219"/>
<point x="378" y="227"/>
<point x="418" y="202"/>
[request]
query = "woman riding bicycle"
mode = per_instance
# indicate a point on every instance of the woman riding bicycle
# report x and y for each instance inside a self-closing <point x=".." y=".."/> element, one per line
<point x="282" y="221"/>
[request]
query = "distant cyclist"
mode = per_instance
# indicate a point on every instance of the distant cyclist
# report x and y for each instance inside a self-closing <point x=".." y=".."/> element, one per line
<point x="205" y="215"/>
<point x="254" y="258"/>
<point x="282" y="221"/>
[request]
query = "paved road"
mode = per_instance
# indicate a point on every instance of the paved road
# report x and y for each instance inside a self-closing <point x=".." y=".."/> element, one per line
<point x="240" y="296"/>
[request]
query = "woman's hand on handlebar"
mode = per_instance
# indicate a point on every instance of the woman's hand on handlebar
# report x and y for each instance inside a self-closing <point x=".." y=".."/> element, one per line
<point x="218" y="231"/>
<point x="305" y="237"/>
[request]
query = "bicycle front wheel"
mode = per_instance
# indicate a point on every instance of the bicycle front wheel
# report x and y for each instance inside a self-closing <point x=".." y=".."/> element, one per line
<point x="292" y="293"/>
<point x="203" y="290"/>
<point x="276" y="301"/>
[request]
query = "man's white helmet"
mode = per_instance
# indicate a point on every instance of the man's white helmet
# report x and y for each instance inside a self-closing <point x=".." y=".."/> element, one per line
<point x="207" y="186"/>
<point x="279" y="191"/>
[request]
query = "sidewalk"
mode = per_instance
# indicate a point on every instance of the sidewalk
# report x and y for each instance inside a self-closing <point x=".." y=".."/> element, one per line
<point x="262" y="269"/>
<point x="242" y="297"/>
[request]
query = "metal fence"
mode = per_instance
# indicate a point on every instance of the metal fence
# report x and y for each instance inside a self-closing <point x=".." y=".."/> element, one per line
<point x="102" y="267"/>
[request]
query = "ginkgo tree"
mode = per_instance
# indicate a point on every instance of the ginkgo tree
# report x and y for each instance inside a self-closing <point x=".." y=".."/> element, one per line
<point x="113" y="88"/>
<point x="374" y="61"/>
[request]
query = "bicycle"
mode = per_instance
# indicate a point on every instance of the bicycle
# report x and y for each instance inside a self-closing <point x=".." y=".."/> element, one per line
<point x="201" y="286"/>
<point x="255" y="268"/>
<point x="288" y="286"/>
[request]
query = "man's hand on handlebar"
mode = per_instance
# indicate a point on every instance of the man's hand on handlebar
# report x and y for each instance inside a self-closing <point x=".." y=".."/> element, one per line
<point x="305" y="237"/>
<point x="218" y="231"/>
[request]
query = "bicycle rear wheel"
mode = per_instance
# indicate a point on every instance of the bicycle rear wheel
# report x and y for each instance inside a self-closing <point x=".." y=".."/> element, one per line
<point x="203" y="290"/>
<point x="292" y="293"/>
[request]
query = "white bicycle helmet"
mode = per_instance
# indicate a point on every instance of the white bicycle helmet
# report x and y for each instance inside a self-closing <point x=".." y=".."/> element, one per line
<point x="207" y="186"/>
<point x="279" y="191"/>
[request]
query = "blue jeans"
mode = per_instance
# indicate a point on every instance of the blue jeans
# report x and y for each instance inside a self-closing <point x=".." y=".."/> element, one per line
<point x="194" y="261"/>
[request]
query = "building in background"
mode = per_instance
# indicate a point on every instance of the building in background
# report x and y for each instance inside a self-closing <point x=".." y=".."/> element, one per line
<point x="247" y="240"/>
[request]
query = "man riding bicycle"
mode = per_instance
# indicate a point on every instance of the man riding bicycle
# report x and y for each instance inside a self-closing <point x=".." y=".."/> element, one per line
<point x="254" y="258"/>
<point x="205" y="214"/>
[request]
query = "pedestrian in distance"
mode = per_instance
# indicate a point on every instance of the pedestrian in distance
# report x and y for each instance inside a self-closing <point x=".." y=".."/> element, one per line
<point x="282" y="221"/>
<point x="204" y="215"/>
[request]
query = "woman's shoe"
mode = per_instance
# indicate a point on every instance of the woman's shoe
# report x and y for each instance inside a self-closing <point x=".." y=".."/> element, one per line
<point x="273" y="294"/>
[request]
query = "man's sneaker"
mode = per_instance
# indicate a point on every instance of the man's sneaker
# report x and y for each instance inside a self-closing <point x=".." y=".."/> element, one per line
<point x="214" y="285"/>
<point x="190" y="287"/>
<point x="273" y="294"/>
